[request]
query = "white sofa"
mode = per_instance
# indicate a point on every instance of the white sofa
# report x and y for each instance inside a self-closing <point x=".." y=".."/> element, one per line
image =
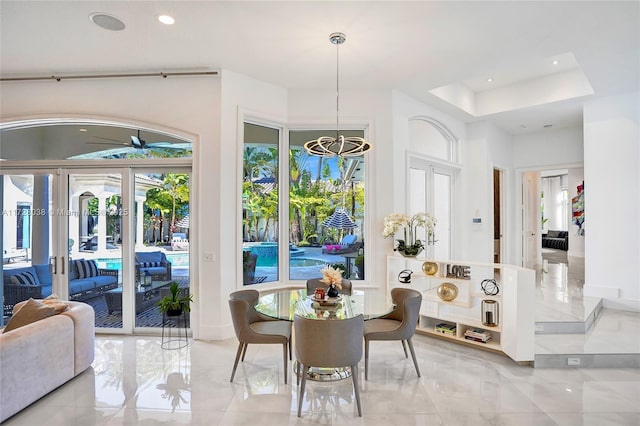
<point x="39" y="357"/>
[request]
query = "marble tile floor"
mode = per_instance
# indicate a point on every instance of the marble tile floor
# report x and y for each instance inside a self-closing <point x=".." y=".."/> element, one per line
<point x="135" y="382"/>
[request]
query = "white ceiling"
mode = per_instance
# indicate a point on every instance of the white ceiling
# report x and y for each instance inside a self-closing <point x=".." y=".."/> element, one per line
<point x="414" y="47"/>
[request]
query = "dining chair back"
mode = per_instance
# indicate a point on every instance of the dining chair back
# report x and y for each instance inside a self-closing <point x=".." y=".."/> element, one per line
<point x="329" y="344"/>
<point x="314" y="283"/>
<point x="252" y="327"/>
<point x="400" y="324"/>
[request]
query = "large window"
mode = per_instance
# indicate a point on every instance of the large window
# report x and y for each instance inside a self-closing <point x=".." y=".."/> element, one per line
<point x="325" y="213"/>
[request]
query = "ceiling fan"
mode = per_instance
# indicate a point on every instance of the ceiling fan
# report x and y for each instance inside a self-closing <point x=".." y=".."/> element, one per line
<point x="136" y="141"/>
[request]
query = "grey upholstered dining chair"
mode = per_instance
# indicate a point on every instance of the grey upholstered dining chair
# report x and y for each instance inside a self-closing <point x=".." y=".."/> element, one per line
<point x="314" y="283"/>
<point x="253" y="327"/>
<point x="328" y="344"/>
<point x="400" y="324"/>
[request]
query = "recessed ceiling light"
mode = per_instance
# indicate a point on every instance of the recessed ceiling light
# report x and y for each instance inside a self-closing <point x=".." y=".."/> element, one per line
<point x="108" y="22"/>
<point x="82" y="130"/>
<point x="556" y="62"/>
<point x="166" y="19"/>
<point x="490" y="80"/>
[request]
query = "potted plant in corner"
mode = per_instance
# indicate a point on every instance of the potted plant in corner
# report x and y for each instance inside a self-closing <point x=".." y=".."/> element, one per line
<point x="175" y="302"/>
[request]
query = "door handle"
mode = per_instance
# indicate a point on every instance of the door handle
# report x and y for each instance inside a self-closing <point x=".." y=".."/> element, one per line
<point x="52" y="265"/>
<point x="62" y="264"/>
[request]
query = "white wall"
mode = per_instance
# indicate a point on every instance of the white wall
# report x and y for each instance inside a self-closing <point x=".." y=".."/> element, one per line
<point x="549" y="148"/>
<point x="612" y="199"/>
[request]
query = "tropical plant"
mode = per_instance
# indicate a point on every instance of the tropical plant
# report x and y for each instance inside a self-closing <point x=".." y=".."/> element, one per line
<point x="176" y="300"/>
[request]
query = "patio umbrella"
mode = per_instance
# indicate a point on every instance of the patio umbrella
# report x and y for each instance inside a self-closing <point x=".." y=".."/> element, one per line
<point x="339" y="219"/>
<point x="184" y="222"/>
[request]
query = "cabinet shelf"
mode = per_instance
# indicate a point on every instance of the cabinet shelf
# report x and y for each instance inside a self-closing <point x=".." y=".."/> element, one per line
<point x="514" y="336"/>
<point x="489" y="345"/>
<point x="432" y="296"/>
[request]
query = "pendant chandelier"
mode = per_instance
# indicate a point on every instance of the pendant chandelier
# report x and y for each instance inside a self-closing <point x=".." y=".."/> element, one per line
<point x="328" y="146"/>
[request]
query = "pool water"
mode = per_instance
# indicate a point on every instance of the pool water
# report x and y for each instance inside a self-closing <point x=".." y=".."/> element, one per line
<point x="294" y="262"/>
<point x="176" y="259"/>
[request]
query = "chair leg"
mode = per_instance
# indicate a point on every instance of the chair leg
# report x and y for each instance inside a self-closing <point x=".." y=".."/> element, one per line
<point x="284" y="355"/>
<point x="404" y="346"/>
<point x="366" y="359"/>
<point x="413" y="355"/>
<point x="302" y="384"/>
<point x="244" y="351"/>
<point x="241" y="346"/>
<point x="356" y="387"/>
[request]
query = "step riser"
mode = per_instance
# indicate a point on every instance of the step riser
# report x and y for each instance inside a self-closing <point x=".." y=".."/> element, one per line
<point x="570" y="327"/>
<point x="587" y="361"/>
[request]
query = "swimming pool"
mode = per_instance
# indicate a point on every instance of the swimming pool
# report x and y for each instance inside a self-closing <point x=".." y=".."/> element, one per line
<point x="294" y="262"/>
<point x="176" y="259"/>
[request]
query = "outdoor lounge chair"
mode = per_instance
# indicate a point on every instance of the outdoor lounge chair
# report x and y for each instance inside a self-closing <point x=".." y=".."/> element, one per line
<point x="179" y="242"/>
<point x="347" y="245"/>
<point x="154" y="262"/>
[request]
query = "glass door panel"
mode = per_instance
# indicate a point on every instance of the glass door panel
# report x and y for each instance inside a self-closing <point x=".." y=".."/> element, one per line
<point x="27" y="212"/>
<point x="162" y="231"/>
<point x="95" y="244"/>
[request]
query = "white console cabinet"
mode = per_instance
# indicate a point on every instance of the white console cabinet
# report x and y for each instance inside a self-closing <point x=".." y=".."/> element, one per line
<point x="514" y="332"/>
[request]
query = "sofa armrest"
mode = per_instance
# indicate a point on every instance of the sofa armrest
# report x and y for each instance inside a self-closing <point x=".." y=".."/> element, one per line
<point x="167" y="265"/>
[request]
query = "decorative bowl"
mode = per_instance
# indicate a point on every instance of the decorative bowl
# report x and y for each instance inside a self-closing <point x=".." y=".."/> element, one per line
<point x="430" y="268"/>
<point x="447" y="291"/>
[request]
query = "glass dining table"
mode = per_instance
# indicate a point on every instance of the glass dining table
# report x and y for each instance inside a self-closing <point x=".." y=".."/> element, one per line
<point x="284" y="305"/>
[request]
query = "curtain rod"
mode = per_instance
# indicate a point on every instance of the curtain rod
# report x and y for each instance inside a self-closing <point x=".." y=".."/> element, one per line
<point x="72" y="77"/>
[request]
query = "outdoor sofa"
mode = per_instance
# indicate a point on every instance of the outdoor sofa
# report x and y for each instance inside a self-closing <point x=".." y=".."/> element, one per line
<point x="153" y="262"/>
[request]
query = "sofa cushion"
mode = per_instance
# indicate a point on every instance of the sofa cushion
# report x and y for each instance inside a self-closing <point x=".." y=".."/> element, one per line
<point x="56" y="303"/>
<point x="79" y="285"/>
<point x="553" y="234"/>
<point x="8" y="273"/>
<point x="25" y="278"/>
<point x="150" y="256"/>
<point x="161" y="270"/>
<point x="30" y="312"/>
<point x="102" y="280"/>
<point x="86" y="268"/>
<point x="44" y="274"/>
<point x="150" y="264"/>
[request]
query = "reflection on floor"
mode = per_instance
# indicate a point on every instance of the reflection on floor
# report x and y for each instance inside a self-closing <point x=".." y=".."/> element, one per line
<point x="135" y="382"/>
<point x="570" y="323"/>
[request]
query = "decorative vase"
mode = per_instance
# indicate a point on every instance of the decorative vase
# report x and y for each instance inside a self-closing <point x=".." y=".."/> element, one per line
<point x="447" y="291"/>
<point x="430" y="268"/>
<point x="333" y="291"/>
<point x="410" y="251"/>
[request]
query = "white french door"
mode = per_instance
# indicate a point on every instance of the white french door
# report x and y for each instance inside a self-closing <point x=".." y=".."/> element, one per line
<point x="430" y="190"/>
<point x="53" y="218"/>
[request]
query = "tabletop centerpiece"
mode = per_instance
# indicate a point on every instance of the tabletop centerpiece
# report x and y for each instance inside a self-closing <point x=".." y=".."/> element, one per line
<point x="333" y="278"/>
<point x="410" y="246"/>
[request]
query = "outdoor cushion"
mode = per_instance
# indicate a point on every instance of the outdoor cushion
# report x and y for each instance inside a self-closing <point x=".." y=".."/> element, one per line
<point x="150" y="264"/>
<point x="81" y="284"/>
<point x="8" y="273"/>
<point x="25" y="278"/>
<point x="44" y="275"/>
<point x="102" y="280"/>
<point x="86" y="268"/>
<point x="161" y="270"/>
<point x="150" y="256"/>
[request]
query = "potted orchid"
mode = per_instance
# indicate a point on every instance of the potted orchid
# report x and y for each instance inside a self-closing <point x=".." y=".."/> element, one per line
<point x="410" y="246"/>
